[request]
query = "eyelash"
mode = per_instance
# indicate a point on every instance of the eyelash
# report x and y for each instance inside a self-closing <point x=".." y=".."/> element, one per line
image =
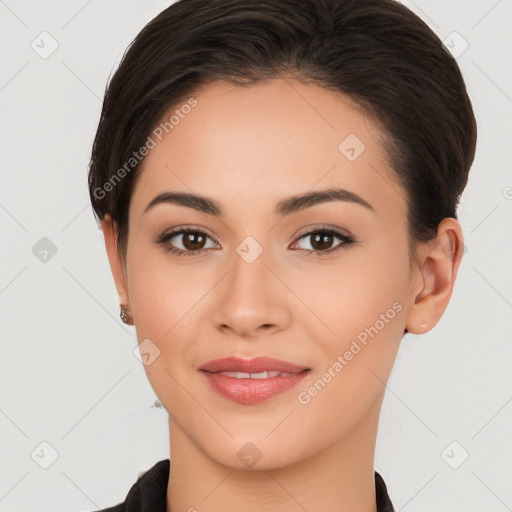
<point x="346" y="241"/>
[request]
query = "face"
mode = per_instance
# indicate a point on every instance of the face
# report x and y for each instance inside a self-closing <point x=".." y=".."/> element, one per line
<point x="326" y="285"/>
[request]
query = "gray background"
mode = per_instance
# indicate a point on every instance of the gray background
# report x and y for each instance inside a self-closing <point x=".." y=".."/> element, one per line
<point x="74" y="397"/>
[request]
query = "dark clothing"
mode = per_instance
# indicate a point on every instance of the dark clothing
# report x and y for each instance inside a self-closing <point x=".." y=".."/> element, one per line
<point x="149" y="492"/>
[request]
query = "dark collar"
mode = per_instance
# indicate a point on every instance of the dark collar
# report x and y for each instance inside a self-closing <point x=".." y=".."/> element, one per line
<point x="149" y="492"/>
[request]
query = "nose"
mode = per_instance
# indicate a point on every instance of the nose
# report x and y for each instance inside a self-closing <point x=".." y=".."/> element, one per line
<point x="251" y="301"/>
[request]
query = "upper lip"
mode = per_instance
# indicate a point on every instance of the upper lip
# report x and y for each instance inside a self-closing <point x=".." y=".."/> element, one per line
<point x="255" y="365"/>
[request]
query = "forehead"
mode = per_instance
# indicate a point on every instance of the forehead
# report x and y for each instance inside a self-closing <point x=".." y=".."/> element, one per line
<point x="258" y="144"/>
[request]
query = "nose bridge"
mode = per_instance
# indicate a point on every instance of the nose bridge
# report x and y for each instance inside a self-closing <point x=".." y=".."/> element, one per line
<point x="253" y="251"/>
<point x="250" y="271"/>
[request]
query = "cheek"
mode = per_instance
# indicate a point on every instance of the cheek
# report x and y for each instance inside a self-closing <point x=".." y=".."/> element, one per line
<point x="364" y="312"/>
<point x="361" y="305"/>
<point x="161" y="291"/>
<point x="165" y="302"/>
<point x="345" y="298"/>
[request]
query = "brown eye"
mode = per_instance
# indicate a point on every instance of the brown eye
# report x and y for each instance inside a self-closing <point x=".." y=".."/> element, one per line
<point x="192" y="242"/>
<point x="322" y="240"/>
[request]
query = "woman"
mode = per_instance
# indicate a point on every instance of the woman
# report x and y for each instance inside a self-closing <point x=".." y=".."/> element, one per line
<point x="277" y="183"/>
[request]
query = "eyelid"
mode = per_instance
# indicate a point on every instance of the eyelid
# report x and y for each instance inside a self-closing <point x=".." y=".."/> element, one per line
<point x="312" y="228"/>
<point x="176" y="230"/>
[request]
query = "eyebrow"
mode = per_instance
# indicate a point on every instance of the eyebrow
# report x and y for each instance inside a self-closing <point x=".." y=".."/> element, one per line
<point x="285" y="207"/>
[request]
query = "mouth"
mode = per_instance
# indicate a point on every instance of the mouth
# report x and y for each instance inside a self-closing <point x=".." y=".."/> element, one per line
<point x="251" y="382"/>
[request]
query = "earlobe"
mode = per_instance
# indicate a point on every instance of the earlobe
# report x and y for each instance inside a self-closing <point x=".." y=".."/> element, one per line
<point x="439" y="261"/>
<point x="116" y="265"/>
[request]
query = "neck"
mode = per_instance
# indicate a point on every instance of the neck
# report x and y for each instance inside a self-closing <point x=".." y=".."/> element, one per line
<point x="338" y="479"/>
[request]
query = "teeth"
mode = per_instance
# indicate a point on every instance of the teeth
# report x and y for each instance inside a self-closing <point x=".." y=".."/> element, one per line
<point x="261" y="375"/>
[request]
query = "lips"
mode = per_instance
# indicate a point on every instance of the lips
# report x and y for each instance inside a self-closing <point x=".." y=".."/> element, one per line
<point x="255" y="365"/>
<point x="252" y="391"/>
<point x="253" y="381"/>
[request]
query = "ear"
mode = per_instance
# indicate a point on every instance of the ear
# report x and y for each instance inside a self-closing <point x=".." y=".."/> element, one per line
<point x="438" y="264"/>
<point x="116" y="264"/>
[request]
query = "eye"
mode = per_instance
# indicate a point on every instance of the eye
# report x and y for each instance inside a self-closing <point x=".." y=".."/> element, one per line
<point x="322" y="238"/>
<point x="192" y="241"/>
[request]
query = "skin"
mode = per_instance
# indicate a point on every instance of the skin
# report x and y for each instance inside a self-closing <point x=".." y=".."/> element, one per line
<point x="249" y="148"/>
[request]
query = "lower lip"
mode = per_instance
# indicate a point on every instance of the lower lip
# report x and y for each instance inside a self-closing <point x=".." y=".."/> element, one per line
<point x="252" y="391"/>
